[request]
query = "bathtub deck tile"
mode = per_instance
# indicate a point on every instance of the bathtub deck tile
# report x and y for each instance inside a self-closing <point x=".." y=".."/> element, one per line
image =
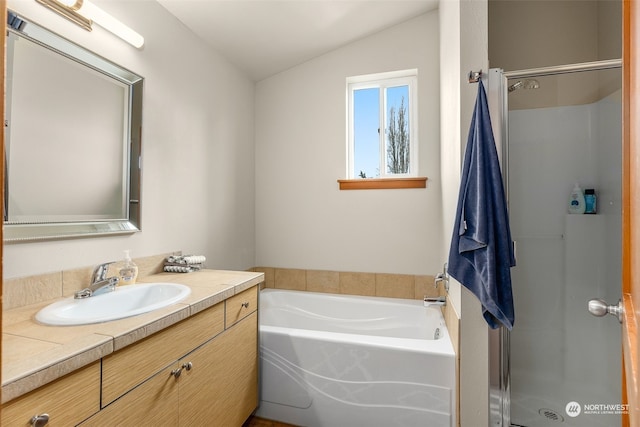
<point x="357" y="283"/>
<point x="290" y="278"/>
<point x="323" y="281"/>
<point x="395" y="285"/>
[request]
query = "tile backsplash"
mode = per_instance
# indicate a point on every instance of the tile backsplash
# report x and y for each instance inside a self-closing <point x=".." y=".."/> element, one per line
<point x="352" y="283"/>
<point x="21" y="291"/>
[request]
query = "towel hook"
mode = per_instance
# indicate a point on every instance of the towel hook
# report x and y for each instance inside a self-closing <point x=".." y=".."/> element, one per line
<point x="474" y="76"/>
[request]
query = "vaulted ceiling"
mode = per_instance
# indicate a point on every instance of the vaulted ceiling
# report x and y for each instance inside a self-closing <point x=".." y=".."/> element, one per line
<point x="265" y="37"/>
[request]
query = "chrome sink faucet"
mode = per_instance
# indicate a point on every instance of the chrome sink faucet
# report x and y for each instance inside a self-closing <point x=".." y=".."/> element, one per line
<point x="100" y="283"/>
<point x="100" y="272"/>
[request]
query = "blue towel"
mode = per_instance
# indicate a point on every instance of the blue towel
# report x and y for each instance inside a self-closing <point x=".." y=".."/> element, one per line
<point x="481" y="253"/>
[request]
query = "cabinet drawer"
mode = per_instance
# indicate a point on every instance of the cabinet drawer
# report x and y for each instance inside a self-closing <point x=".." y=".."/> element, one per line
<point x="123" y="370"/>
<point x="240" y="306"/>
<point x="67" y="400"/>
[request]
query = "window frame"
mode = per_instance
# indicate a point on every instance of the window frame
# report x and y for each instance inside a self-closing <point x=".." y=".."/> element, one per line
<point x="383" y="81"/>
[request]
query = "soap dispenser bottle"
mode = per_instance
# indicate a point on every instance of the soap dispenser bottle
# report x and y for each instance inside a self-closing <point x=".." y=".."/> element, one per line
<point x="128" y="272"/>
<point x="576" y="201"/>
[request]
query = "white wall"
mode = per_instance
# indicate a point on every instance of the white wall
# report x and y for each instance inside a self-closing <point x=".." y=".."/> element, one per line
<point x="198" y="158"/>
<point x="451" y="143"/>
<point x="464" y="48"/>
<point x="302" y="219"/>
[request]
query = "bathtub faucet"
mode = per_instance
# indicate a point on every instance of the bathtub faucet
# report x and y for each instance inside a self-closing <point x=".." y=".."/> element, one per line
<point x="435" y="301"/>
<point x="442" y="278"/>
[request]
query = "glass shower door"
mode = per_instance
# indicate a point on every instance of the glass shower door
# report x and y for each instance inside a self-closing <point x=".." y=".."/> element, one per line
<point x="563" y="130"/>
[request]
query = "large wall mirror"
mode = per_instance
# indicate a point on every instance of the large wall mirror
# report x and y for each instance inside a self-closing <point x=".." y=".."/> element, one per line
<point x="72" y="139"/>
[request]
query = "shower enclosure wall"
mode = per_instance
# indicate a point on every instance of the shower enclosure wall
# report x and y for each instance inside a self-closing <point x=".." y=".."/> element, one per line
<point x="561" y="365"/>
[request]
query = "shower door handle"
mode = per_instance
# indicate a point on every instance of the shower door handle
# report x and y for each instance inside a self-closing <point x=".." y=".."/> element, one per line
<point x="600" y="308"/>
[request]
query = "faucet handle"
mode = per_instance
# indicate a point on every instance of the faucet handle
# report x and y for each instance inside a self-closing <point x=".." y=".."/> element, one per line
<point x="442" y="277"/>
<point x="100" y="272"/>
<point x="83" y="293"/>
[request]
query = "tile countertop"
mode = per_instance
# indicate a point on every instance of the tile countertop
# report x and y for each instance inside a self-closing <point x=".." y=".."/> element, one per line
<point x="34" y="354"/>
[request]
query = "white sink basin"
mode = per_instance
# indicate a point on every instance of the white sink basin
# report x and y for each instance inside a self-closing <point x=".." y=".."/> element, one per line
<point x="125" y="301"/>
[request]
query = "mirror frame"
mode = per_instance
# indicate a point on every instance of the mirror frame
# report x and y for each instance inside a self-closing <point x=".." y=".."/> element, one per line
<point x="28" y="232"/>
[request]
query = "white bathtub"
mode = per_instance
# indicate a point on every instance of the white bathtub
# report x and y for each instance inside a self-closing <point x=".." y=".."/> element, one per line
<point x="340" y="361"/>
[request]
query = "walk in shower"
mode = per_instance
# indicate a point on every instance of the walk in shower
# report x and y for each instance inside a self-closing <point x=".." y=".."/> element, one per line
<point x="561" y="366"/>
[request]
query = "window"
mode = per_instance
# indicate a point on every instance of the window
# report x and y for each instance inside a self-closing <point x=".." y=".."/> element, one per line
<point x="382" y="124"/>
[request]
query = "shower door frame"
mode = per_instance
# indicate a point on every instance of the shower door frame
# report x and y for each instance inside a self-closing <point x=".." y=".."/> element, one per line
<point x="499" y="339"/>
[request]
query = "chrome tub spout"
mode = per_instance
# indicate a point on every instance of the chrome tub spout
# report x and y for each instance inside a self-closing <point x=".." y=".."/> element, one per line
<point x="435" y="301"/>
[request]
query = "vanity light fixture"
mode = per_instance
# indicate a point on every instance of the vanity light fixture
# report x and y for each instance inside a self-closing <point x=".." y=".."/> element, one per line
<point x="68" y="12"/>
<point x="84" y="13"/>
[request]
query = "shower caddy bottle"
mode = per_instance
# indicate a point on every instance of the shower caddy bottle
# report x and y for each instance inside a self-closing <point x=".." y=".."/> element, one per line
<point x="590" y="201"/>
<point x="576" y="201"/>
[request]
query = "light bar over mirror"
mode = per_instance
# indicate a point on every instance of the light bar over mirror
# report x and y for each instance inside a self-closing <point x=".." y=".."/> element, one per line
<point x="84" y="13"/>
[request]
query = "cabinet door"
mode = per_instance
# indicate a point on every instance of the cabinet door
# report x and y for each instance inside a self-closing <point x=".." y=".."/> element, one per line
<point x="221" y="388"/>
<point x="119" y="371"/>
<point x="67" y="400"/>
<point x="153" y="403"/>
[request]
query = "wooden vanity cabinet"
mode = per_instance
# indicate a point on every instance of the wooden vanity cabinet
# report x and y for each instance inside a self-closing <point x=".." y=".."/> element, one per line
<point x="126" y="368"/>
<point x="67" y="401"/>
<point x="221" y="388"/>
<point x="217" y="380"/>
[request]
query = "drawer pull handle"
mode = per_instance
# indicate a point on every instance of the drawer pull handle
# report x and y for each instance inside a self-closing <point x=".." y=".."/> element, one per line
<point x="245" y="304"/>
<point x="177" y="372"/>
<point x="40" y="420"/>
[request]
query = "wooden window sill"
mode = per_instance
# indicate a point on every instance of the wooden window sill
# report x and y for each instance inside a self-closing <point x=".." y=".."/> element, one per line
<point x="382" y="183"/>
